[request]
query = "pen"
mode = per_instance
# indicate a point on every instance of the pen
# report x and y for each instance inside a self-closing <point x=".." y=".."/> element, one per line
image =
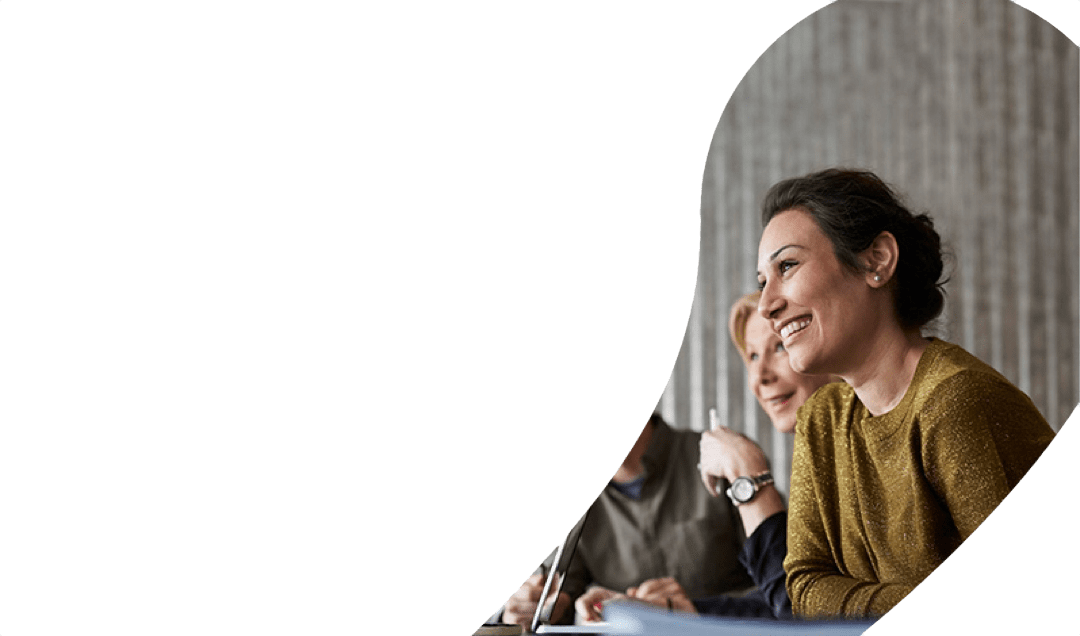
<point x="714" y="419"/>
<point x="714" y="423"/>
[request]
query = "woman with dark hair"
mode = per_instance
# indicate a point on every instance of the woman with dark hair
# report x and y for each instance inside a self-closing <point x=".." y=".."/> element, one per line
<point x="897" y="465"/>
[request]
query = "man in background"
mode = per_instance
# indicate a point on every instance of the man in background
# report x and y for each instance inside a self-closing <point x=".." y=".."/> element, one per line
<point x="653" y="520"/>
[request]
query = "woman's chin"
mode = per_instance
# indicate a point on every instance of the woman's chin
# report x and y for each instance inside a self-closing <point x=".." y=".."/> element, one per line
<point x="802" y="362"/>
<point x="783" y="417"/>
<point x="785" y="425"/>
<point x="799" y="364"/>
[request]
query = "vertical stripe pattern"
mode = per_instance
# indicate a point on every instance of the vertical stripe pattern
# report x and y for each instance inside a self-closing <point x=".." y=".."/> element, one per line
<point x="970" y="109"/>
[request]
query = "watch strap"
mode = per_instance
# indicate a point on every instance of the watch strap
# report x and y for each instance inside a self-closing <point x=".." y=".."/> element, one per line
<point x="762" y="480"/>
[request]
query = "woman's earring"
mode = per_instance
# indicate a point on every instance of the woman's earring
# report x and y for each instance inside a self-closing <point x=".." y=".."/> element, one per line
<point x="877" y="278"/>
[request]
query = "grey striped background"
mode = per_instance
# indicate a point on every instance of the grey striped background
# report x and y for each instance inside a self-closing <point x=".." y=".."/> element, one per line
<point x="968" y="107"/>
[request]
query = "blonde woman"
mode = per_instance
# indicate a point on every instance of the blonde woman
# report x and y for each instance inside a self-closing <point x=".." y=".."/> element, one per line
<point x="727" y="455"/>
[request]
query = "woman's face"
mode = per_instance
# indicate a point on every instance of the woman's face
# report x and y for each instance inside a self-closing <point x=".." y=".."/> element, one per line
<point x="778" y="388"/>
<point x="820" y="309"/>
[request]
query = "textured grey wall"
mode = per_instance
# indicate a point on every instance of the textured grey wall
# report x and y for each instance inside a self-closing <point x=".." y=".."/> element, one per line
<point x="968" y="107"/>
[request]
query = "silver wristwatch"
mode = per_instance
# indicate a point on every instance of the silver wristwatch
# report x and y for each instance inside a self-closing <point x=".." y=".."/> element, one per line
<point x="744" y="489"/>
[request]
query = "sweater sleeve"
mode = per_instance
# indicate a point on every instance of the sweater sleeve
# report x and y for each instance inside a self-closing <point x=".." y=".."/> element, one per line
<point x="975" y="450"/>
<point x="816" y="586"/>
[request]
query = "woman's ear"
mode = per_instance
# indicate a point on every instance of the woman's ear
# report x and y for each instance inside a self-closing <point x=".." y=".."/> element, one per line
<point x="880" y="259"/>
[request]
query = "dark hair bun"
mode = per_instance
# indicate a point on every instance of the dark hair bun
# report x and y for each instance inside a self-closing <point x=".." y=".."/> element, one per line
<point x="919" y="295"/>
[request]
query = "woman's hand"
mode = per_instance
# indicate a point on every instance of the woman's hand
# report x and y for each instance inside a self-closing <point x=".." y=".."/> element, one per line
<point x="728" y="455"/>
<point x="589" y="604"/>
<point x="665" y="592"/>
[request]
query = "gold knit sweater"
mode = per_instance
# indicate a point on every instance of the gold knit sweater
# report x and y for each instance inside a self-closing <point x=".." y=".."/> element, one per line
<point x="878" y="502"/>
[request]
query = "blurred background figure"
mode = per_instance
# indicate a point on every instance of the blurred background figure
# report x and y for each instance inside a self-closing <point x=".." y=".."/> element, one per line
<point x="653" y="520"/>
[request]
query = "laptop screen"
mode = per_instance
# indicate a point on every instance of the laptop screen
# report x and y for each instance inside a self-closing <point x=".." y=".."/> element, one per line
<point x="559" y="565"/>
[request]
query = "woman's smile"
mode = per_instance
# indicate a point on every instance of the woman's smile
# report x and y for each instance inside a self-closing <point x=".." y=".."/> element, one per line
<point x="793" y="327"/>
<point x="779" y="401"/>
<point x="778" y="388"/>
<point x="812" y="302"/>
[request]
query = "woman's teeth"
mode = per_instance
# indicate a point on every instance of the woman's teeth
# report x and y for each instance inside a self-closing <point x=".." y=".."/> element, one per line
<point x="794" y="326"/>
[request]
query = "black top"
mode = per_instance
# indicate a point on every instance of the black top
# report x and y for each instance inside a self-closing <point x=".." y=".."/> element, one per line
<point x="763" y="557"/>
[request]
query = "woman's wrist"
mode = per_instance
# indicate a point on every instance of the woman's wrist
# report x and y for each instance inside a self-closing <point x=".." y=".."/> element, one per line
<point x="749" y="469"/>
<point x="765" y="504"/>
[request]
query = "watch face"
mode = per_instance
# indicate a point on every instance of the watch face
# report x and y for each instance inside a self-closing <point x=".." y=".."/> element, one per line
<point x="742" y="489"/>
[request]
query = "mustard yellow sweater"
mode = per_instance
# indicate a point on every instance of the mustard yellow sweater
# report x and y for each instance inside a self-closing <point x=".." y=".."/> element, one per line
<point x="878" y="502"/>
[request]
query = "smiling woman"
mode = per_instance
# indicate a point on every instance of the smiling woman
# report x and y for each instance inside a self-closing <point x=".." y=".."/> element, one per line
<point x="779" y="389"/>
<point x="899" y="464"/>
<point x="854" y="278"/>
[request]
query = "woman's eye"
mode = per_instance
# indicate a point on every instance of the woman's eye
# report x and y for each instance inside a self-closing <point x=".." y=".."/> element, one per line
<point x="779" y="347"/>
<point x="753" y="357"/>
<point x="785" y="266"/>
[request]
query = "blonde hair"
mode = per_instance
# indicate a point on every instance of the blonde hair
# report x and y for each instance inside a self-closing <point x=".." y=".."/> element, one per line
<point x="740" y="315"/>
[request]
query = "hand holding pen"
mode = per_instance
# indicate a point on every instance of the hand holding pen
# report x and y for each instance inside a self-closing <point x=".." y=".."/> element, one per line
<point x="725" y="454"/>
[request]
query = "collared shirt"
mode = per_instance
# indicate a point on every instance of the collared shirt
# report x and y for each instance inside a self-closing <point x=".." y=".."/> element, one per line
<point x="674" y="529"/>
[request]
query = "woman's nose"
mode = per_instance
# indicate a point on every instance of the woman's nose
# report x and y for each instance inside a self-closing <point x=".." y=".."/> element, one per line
<point x="766" y="374"/>
<point x="762" y="374"/>
<point x="769" y="303"/>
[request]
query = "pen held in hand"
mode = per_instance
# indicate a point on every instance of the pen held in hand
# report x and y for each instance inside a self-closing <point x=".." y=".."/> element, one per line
<point x="714" y="423"/>
<point x="714" y="419"/>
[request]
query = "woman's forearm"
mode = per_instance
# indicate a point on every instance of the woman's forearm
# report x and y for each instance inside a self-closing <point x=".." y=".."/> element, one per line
<point x="823" y="593"/>
<point x="764" y="505"/>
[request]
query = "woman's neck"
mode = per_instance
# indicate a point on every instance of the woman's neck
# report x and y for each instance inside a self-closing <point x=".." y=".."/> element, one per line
<point x="883" y="380"/>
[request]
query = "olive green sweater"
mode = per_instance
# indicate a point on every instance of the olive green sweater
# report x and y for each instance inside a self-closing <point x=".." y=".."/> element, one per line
<point x="878" y="502"/>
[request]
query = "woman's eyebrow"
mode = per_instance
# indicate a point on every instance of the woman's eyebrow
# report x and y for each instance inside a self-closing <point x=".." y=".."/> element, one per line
<point x="772" y="257"/>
